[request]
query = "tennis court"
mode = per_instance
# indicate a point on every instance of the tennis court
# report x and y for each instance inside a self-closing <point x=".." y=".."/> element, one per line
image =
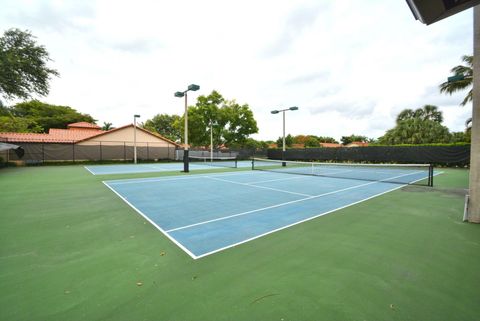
<point x="162" y="167"/>
<point x="204" y="214"/>
<point x="72" y="250"/>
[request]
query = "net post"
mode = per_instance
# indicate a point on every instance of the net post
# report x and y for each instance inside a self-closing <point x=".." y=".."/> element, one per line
<point x="185" y="161"/>
<point x="235" y="163"/>
<point x="430" y="175"/>
<point x="253" y="164"/>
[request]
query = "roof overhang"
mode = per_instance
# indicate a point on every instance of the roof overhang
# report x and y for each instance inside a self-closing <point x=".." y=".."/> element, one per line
<point x="430" y="11"/>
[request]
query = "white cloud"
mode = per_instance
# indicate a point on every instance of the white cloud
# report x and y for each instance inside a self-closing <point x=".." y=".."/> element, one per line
<point x="350" y="66"/>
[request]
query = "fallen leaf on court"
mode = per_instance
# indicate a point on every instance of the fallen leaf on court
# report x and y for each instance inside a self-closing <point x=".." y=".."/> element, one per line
<point x="162" y="253"/>
<point x="392" y="306"/>
<point x="194" y="277"/>
<point x="139" y="283"/>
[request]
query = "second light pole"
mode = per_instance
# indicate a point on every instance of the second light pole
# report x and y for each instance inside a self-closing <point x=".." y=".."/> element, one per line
<point x="283" y="111"/>
<point x="180" y="94"/>
<point x="135" y="138"/>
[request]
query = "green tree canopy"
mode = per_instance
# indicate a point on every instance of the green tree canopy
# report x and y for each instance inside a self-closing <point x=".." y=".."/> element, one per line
<point x="289" y="141"/>
<point x="353" y="138"/>
<point x="467" y="72"/>
<point x="428" y="112"/>
<point x="312" y="142"/>
<point x="45" y="116"/>
<point x="326" y="139"/>
<point x="23" y="66"/>
<point x="251" y="143"/>
<point x="18" y="125"/>
<point x="166" y="125"/>
<point x="420" y="126"/>
<point x="231" y="122"/>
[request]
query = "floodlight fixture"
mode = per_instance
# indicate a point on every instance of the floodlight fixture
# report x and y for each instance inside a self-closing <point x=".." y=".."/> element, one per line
<point x="283" y="112"/>
<point x="180" y="94"/>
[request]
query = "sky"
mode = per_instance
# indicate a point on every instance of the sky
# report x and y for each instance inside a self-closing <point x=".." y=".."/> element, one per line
<point x="350" y="66"/>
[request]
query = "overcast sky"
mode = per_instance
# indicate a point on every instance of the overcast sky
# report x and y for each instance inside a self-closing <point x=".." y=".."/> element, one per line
<point x="350" y="66"/>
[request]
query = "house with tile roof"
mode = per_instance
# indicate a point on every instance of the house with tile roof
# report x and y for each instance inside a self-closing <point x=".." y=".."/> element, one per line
<point x="89" y="142"/>
<point x="357" y="144"/>
<point x="331" y="145"/>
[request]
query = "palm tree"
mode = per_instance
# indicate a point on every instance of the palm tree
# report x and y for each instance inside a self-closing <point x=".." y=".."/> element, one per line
<point x="466" y="82"/>
<point x="427" y="112"/>
<point x="107" y="126"/>
<point x="431" y="112"/>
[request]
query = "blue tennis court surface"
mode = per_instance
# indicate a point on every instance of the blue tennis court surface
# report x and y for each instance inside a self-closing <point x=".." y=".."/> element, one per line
<point x="204" y="214"/>
<point x="151" y="167"/>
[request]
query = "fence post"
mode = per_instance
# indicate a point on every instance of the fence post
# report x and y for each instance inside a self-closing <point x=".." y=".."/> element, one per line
<point x="124" y="152"/>
<point x="43" y="151"/>
<point x="73" y="151"/>
<point x="148" y="152"/>
<point x="101" y="158"/>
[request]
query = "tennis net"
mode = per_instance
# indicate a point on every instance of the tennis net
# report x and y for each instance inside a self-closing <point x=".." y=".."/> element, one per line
<point x="419" y="174"/>
<point x="214" y="161"/>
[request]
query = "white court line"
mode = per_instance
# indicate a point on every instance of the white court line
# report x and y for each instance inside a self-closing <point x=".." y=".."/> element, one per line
<point x="283" y="204"/>
<point x="276" y="180"/>
<point x="262" y="187"/>
<point x="269" y="207"/>
<point x="257" y="236"/>
<point x="310" y="218"/>
<point x="177" y="177"/>
<point x="295" y="223"/>
<point x="89" y="170"/>
<point x="153" y="223"/>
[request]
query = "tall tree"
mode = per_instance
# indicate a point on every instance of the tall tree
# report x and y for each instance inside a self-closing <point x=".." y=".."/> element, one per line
<point x="428" y="112"/>
<point x="231" y="122"/>
<point x="18" y="125"/>
<point x="23" y="66"/>
<point x="48" y="116"/>
<point x="420" y="126"/>
<point x="165" y="125"/>
<point x="461" y="70"/>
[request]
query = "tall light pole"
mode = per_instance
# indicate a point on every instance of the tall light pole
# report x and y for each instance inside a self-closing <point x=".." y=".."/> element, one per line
<point x="209" y="102"/>
<point x="135" y="138"/>
<point x="474" y="188"/>
<point x="283" y="111"/>
<point x="180" y="94"/>
<point x="211" y="140"/>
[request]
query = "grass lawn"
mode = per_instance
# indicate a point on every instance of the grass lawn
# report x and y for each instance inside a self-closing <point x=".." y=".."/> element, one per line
<point x="70" y="249"/>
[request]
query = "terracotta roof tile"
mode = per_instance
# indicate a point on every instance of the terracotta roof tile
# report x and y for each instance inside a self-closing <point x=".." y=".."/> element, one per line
<point x="83" y="124"/>
<point x="69" y="135"/>
<point x="330" y="145"/>
<point x="54" y="136"/>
